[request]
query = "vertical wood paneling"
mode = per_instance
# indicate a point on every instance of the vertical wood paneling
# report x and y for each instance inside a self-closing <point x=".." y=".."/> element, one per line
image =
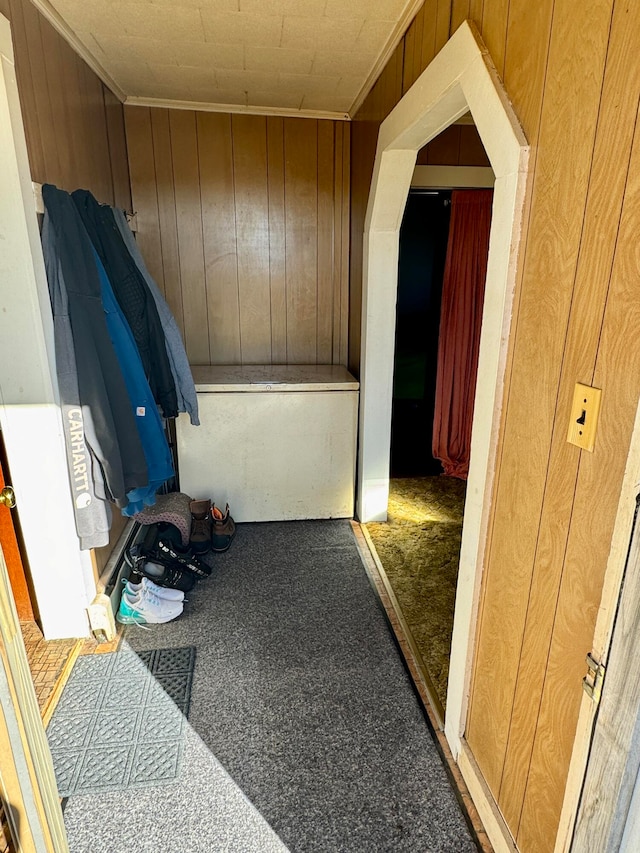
<point x="409" y="49"/>
<point x="600" y="473"/>
<point x="524" y="69"/>
<point x="86" y="162"/>
<point x="342" y="322"/>
<point x="444" y="150"/>
<point x="77" y="141"/>
<point x="43" y="108"/>
<point x="341" y="241"/>
<point x="249" y="219"/>
<point x="598" y="476"/>
<point x="494" y="31"/>
<point x="54" y="72"/>
<point x="413" y="62"/>
<point x="186" y="176"/>
<point x="252" y="227"/>
<point x="471" y="150"/>
<point x="476" y="8"/>
<point x="117" y="151"/>
<point x="325" y="261"/>
<point x="301" y="218"/>
<point x="392" y="79"/>
<point x="616" y="124"/>
<point x="101" y="175"/>
<point x="338" y="230"/>
<point x="459" y="13"/>
<point x="277" y="243"/>
<point x="220" y="242"/>
<point x="27" y="93"/>
<point x="144" y="193"/>
<point x="443" y="20"/>
<point x="576" y="64"/>
<point x="428" y="48"/>
<point x="63" y="110"/>
<point x="458" y="145"/>
<point x="166" y="256"/>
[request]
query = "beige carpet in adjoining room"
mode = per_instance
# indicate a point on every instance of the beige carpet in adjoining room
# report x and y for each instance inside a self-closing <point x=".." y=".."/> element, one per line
<point x="419" y="547"/>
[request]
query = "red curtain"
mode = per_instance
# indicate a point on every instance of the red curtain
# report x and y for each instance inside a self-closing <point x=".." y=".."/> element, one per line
<point x="460" y="321"/>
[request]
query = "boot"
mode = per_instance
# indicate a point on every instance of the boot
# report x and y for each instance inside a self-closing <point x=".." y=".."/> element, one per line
<point x="223" y="529"/>
<point x="200" y="538"/>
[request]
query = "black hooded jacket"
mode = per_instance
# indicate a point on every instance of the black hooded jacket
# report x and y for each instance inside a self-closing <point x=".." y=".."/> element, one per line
<point x="134" y="298"/>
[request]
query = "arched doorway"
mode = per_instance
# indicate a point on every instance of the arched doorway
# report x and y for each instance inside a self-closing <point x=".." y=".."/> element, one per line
<point x="461" y="78"/>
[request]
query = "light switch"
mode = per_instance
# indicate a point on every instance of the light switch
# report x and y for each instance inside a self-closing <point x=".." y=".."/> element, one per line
<point x="584" y="417"/>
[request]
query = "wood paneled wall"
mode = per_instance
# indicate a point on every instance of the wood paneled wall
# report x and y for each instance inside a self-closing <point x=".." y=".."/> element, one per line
<point x="244" y="222"/>
<point x="74" y="126"/>
<point x="458" y="145"/>
<point x="73" y="123"/>
<point x="574" y="81"/>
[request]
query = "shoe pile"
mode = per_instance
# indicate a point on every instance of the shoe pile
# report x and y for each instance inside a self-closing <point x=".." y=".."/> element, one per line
<point x="147" y="603"/>
<point x="163" y="568"/>
<point x="211" y="529"/>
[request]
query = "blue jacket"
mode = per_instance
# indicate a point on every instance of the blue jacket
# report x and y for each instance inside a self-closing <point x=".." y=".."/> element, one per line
<point x="148" y="421"/>
<point x="101" y="385"/>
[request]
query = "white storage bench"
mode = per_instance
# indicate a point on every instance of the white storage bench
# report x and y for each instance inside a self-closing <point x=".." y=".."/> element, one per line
<point x="276" y="442"/>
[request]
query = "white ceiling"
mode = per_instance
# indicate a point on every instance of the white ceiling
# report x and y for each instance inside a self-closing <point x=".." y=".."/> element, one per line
<point x="282" y="56"/>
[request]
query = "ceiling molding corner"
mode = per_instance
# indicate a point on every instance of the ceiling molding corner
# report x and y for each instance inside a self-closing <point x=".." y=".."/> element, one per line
<point x="210" y="107"/>
<point x="401" y="27"/>
<point x="61" y="26"/>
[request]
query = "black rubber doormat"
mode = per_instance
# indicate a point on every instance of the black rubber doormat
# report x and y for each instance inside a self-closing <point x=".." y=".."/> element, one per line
<point x="120" y="720"/>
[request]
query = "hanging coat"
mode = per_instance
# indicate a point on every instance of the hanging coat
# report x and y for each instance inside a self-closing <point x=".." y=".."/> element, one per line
<point x="148" y="422"/>
<point x="178" y="361"/>
<point x="134" y="298"/>
<point x="101" y="385"/>
<point x="92" y="512"/>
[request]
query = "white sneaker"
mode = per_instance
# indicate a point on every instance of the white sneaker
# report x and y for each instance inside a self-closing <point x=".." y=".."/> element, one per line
<point x="161" y="591"/>
<point x="145" y="607"/>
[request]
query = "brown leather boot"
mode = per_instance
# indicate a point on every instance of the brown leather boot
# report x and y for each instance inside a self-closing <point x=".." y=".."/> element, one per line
<point x="223" y="529"/>
<point x="200" y="538"/>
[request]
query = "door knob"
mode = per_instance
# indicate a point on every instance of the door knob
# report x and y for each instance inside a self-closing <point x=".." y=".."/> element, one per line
<point x="8" y="497"/>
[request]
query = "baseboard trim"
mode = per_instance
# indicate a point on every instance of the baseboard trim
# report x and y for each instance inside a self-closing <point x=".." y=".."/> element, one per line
<point x="492" y="820"/>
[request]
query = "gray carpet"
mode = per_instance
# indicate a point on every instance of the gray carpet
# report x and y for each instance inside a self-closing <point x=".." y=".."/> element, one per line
<point x="120" y="720"/>
<point x="300" y="695"/>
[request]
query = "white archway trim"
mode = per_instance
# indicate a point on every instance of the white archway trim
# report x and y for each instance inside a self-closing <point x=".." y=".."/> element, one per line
<point x="460" y="78"/>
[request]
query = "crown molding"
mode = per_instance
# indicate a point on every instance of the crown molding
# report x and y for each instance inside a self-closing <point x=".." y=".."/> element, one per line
<point x="205" y="106"/>
<point x="59" y="24"/>
<point x="411" y="10"/>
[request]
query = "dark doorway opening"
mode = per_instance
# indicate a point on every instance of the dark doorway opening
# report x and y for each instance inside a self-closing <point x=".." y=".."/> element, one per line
<point x="423" y="248"/>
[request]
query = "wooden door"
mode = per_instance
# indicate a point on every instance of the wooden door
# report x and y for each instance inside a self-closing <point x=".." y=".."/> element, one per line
<point x="12" y="555"/>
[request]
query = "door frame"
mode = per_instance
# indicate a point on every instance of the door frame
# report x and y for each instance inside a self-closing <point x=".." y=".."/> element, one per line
<point x="12" y="552"/>
<point x="461" y="78"/>
<point x="30" y="418"/>
<point x="27" y="778"/>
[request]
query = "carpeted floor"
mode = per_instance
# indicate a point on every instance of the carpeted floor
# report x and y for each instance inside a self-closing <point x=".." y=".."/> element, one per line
<point x="419" y="548"/>
<point x="305" y="733"/>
